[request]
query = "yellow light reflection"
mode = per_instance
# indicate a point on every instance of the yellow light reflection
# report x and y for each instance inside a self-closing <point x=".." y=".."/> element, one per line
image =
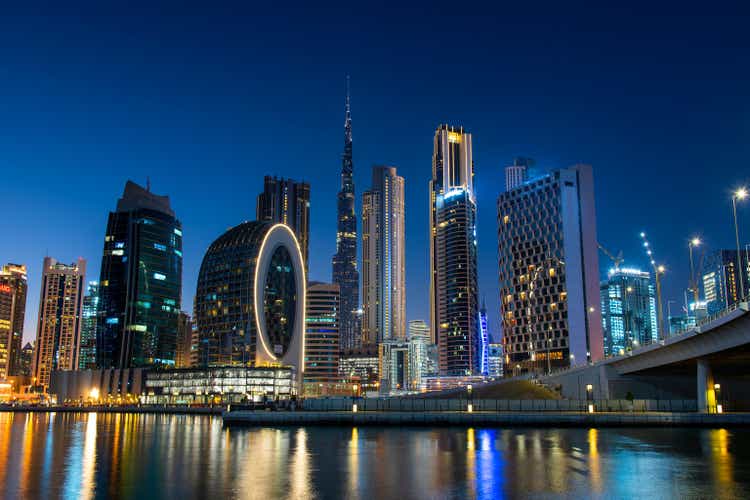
<point x="471" y="463"/>
<point x="595" y="472"/>
<point x="722" y="461"/>
<point x="89" y="458"/>
<point x="353" y="465"/>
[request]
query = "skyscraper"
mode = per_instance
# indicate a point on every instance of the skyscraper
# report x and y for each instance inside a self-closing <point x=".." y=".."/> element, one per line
<point x="548" y="270"/>
<point x="322" y="333"/>
<point x="58" y="333"/>
<point x="383" y="258"/>
<point x="517" y="174"/>
<point x="484" y="344"/>
<point x="140" y="283"/>
<point x="628" y="306"/>
<point x="87" y="352"/>
<point x="720" y="279"/>
<point x="13" y="288"/>
<point x="345" y="273"/>
<point x="287" y="201"/>
<point x="454" y="307"/>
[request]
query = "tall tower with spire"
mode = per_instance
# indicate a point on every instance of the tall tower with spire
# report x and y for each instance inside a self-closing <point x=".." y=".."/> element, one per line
<point x="345" y="273"/>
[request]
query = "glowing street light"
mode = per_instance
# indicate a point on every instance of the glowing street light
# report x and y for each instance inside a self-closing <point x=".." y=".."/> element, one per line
<point x="693" y="283"/>
<point x="740" y="194"/>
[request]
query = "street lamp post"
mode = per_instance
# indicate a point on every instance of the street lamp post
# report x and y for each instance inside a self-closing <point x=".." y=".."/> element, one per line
<point x="740" y="194"/>
<point x="693" y="284"/>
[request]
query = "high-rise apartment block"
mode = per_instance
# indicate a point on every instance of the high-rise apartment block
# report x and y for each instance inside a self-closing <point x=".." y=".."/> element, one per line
<point x="383" y="258"/>
<point x="322" y="333"/>
<point x="140" y="284"/>
<point x="548" y="271"/>
<point x="13" y="289"/>
<point x="628" y="306"/>
<point x="454" y="307"/>
<point x="58" y="334"/>
<point x="287" y="201"/>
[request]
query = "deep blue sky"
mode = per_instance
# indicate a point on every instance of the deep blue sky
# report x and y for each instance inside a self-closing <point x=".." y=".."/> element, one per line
<point x="205" y="101"/>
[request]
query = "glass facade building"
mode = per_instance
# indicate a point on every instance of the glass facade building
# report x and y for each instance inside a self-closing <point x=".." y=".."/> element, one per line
<point x="454" y="307"/>
<point x="249" y="302"/>
<point x="548" y="272"/>
<point x="628" y="305"/>
<point x="140" y="284"/>
<point x="87" y="351"/>
<point x="13" y="289"/>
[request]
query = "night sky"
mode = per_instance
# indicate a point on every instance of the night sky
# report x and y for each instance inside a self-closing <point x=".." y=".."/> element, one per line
<point x="206" y="101"/>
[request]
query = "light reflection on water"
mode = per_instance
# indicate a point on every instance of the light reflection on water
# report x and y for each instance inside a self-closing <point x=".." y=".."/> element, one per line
<point x="176" y="456"/>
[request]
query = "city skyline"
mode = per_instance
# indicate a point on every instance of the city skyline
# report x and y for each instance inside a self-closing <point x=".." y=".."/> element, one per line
<point x="89" y="145"/>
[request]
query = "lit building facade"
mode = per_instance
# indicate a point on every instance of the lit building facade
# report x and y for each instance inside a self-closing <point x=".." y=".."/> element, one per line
<point x="13" y="290"/>
<point x="517" y="174"/>
<point x="344" y="263"/>
<point x="548" y="272"/>
<point x="484" y="341"/>
<point x="87" y="351"/>
<point x="249" y="302"/>
<point x="26" y="360"/>
<point x="383" y="258"/>
<point x="58" y="334"/>
<point x="287" y="201"/>
<point x="454" y="307"/>
<point x="187" y="342"/>
<point x="495" y="361"/>
<point x="418" y="329"/>
<point x="721" y="280"/>
<point x="628" y="305"/>
<point x="393" y="368"/>
<point x="322" y="334"/>
<point x="360" y="366"/>
<point x="140" y="283"/>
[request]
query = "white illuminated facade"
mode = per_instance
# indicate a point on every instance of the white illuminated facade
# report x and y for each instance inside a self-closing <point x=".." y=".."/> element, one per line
<point x="383" y="258"/>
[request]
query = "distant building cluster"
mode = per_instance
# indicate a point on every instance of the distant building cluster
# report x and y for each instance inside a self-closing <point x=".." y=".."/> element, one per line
<point x="259" y="328"/>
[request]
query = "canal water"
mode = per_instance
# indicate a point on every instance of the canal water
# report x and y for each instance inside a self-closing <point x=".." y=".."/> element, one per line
<point x="176" y="456"/>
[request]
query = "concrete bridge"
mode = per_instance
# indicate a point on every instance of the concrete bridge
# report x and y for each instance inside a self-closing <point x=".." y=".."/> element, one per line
<point x="710" y="362"/>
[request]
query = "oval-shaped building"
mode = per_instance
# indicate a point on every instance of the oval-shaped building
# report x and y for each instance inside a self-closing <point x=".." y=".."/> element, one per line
<point x="250" y="298"/>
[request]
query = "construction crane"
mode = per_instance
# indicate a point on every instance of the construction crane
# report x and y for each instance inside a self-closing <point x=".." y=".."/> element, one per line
<point x="658" y="273"/>
<point x="616" y="260"/>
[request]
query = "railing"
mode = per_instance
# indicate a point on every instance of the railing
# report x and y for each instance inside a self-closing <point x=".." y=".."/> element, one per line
<point x="499" y="405"/>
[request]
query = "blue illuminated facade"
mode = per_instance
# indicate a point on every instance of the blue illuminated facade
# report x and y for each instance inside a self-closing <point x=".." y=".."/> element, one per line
<point x="628" y="311"/>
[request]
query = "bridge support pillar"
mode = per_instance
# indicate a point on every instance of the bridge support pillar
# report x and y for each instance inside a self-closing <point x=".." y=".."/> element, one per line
<point x="706" y="394"/>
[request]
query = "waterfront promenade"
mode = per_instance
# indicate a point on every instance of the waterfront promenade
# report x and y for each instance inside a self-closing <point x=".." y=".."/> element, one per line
<point x="488" y="418"/>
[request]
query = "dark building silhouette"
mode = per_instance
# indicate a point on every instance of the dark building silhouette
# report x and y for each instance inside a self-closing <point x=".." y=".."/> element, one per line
<point x="345" y="273"/>
<point x="287" y="201"/>
<point x="140" y="282"/>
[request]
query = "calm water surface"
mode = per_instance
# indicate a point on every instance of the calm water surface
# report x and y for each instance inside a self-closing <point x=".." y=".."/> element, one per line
<point x="159" y="456"/>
